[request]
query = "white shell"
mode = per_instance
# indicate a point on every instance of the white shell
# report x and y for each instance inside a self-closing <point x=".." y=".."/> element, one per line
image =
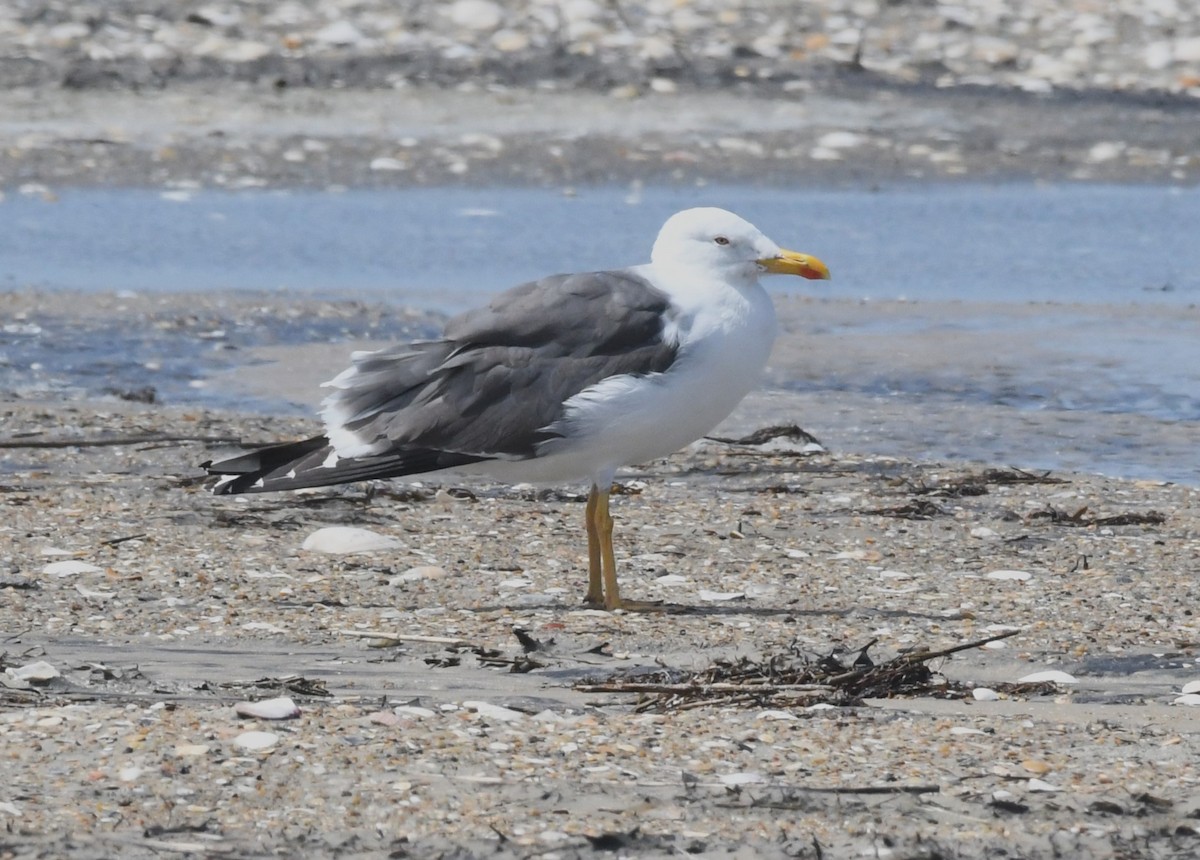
<point x="745" y="778"/>
<point x="1052" y="675"/>
<point x="281" y="708"/>
<point x="254" y="741"/>
<point x="495" y="712"/>
<point x="347" y="539"/>
<point x="414" y="711"/>
<point x="1189" y="699"/>
<point x="1010" y="575"/>
<point x="714" y="596"/>
<point x="1041" y="785"/>
<point x="70" y="567"/>
<point x="35" y="673"/>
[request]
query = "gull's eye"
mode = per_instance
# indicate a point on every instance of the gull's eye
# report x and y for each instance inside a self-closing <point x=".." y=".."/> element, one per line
<point x="721" y="240"/>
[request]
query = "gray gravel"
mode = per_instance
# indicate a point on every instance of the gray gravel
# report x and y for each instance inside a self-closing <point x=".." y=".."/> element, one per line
<point x="239" y="95"/>
<point x="160" y="607"/>
<point x="157" y="607"/>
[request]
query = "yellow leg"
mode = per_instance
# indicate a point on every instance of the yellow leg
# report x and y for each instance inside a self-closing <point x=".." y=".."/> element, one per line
<point x="595" y="592"/>
<point x="608" y="561"/>
<point x="600" y="554"/>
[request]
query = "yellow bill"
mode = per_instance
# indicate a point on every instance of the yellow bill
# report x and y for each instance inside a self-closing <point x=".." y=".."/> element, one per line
<point x="795" y="263"/>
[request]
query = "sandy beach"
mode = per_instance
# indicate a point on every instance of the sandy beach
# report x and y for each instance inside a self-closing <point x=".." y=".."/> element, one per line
<point x="449" y="697"/>
<point x="159" y="607"/>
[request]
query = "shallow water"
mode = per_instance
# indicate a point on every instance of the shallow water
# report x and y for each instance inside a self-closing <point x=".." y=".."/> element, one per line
<point x="448" y="247"/>
<point x="1070" y="299"/>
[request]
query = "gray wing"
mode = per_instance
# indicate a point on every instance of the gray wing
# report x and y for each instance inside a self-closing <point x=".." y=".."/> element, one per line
<point x="500" y="375"/>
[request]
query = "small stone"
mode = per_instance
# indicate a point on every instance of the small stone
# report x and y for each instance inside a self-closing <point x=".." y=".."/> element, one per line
<point x="509" y="41"/>
<point x="191" y="750"/>
<point x="1187" y="50"/>
<point x="841" y="140"/>
<point x="243" y="52"/>
<point x="476" y="14"/>
<point x="1037" y="766"/>
<point x="340" y="33"/>
<point x="1191" y="687"/>
<point x="385" y="162"/>
<point x="424" y="571"/>
<point x="985" y="694"/>
<point x="1157" y="55"/>
<point x="1105" y="150"/>
<point x="384" y="718"/>
<point x="1191" y="699"/>
<point x="657" y="48"/>
<point x="965" y="730"/>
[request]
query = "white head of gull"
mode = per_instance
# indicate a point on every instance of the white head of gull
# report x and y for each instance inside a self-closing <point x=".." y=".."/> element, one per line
<point x="568" y="378"/>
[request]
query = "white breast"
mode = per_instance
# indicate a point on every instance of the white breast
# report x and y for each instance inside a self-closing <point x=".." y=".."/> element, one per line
<point x="723" y="345"/>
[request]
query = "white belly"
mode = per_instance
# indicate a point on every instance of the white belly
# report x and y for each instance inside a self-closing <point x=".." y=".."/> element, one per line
<point x="631" y="419"/>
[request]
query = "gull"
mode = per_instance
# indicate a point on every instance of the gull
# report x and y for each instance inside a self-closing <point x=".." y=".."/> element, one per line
<point x="564" y="379"/>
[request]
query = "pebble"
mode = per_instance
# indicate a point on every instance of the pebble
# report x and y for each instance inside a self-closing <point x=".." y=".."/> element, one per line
<point x="385" y="163"/>
<point x="420" y="572"/>
<point x="348" y="539"/>
<point x="340" y="33"/>
<point x="476" y="14"/>
<point x="1033" y="46"/>
<point x="1188" y="699"/>
<point x="985" y="694"/>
